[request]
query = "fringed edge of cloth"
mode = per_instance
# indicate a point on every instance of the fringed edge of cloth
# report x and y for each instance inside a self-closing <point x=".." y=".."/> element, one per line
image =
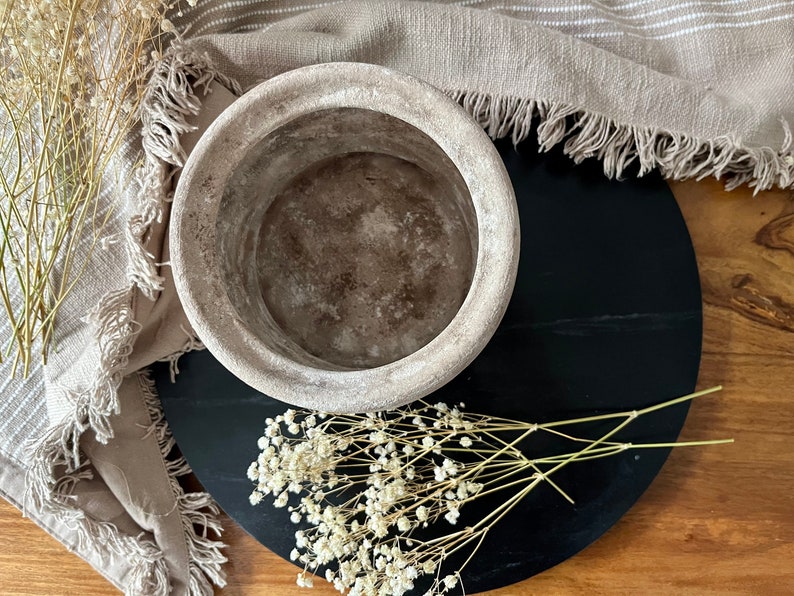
<point x="198" y="511"/>
<point x="192" y="344"/>
<point x="173" y="94"/>
<point x="617" y="146"/>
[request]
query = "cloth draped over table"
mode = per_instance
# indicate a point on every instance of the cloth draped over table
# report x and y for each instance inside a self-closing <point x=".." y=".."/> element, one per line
<point x="692" y="88"/>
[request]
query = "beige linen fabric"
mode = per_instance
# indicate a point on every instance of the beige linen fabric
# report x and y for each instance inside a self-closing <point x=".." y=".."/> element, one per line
<point x="694" y="88"/>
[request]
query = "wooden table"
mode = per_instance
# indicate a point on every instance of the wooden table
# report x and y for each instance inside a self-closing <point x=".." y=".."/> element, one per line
<point x="717" y="520"/>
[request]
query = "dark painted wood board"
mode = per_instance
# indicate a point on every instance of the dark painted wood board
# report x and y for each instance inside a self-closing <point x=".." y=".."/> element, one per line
<point x="606" y="315"/>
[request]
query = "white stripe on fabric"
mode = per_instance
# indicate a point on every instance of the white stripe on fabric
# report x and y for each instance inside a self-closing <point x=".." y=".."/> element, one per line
<point x="632" y="5"/>
<point x="646" y="26"/>
<point x="713" y="8"/>
<point x="250" y="22"/>
<point x="279" y="10"/>
<point x="606" y="8"/>
<point x="253" y="27"/>
<point x="23" y="411"/>
<point x="687" y="31"/>
<point x="248" y="16"/>
<point x="33" y="424"/>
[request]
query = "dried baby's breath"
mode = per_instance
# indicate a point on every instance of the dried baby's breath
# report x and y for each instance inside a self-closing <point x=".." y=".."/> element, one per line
<point x="368" y="485"/>
<point x="71" y="74"/>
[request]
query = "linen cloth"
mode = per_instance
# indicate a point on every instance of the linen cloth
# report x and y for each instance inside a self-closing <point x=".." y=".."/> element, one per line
<point x="694" y="88"/>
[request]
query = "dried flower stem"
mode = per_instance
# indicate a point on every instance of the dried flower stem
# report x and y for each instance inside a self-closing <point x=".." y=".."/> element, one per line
<point x="71" y="75"/>
<point x="367" y="484"/>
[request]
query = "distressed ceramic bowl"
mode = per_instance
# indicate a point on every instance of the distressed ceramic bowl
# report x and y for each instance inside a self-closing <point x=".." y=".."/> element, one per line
<point x="344" y="238"/>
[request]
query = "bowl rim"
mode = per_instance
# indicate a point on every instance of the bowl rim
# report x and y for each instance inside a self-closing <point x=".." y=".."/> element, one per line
<point x="261" y="111"/>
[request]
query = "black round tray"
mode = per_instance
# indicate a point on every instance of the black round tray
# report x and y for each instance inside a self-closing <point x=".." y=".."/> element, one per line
<point x="605" y="316"/>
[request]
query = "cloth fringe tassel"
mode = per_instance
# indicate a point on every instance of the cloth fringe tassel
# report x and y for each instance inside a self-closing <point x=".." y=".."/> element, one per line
<point x="192" y="344"/>
<point x="51" y="481"/>
<point x="198" y="512"/>
<point x="616" y="145"/>
<point x="57" y="465"/>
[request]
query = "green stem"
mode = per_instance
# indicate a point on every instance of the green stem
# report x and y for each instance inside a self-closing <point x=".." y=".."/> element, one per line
<point x="639" y="412"/>
<point x="679" y="444"/>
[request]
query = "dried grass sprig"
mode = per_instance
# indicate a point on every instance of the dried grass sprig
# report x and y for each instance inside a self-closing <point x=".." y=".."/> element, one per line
<point x="368" y="484"/>
<point x="71" y="79"/>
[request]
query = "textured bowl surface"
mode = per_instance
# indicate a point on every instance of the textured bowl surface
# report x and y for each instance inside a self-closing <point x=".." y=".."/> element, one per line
<point x="344" y="238"/>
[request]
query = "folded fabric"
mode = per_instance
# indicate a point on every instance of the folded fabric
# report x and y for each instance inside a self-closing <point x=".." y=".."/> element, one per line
<point x="694" y="89"/>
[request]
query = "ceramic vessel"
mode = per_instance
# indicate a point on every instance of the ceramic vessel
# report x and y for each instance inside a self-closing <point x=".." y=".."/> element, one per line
<point x="344" y="238"/>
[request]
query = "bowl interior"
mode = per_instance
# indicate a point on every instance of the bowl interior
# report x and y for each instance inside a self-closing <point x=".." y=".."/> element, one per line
<point x="347" y="239"/>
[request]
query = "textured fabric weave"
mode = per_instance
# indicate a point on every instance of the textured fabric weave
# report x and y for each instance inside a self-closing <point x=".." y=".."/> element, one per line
<point x="693" y="88"/>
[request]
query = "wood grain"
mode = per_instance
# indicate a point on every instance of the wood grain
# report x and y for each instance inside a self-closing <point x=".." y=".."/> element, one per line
<point x="717" y="520"/>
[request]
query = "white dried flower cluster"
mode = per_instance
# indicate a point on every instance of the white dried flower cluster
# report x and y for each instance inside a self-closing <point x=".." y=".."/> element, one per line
<point x="57" y="42"/>
<point x="403" y="465"/>
<point x="364" y="487"/>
